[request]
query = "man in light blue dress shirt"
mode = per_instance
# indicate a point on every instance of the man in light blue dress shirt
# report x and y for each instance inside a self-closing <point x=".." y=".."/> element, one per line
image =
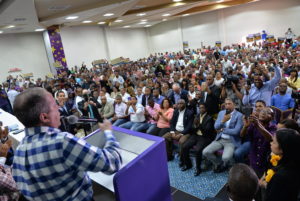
<point x="262" y="90"/>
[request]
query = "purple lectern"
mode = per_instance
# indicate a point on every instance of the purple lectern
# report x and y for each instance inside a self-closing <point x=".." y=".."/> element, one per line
<point x="144" y="174"/>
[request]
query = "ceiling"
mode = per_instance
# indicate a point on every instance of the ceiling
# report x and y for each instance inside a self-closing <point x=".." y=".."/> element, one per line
<point x="28" y="15"/>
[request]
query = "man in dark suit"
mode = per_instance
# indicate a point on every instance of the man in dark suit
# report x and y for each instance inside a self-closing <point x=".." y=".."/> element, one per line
<point x="147" y="95"/>
<point x="177" y="94"/>
<point x="194" y="103"/>
<point x="180" y="129"/>
<point x="203" y="135"/>
<point x="211" y="95"/>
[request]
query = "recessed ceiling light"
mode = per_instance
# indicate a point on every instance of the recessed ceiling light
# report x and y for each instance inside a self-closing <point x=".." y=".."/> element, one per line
<point x="10" y="26"/>
<point x="164" y="20"/>
<point x="143" y="23"/>
<point x="126" y="26"/>
<point x="141" y="14"/>
<point x="148" y="25"/>
<point x="87" y="21"/>
<point x="167" y="14"/>
<point x="185" y="15"/>
<point x="220" y="1"/>
<point x="177" y="0"/>
<point x="144" y="20"/>
<point x="39" y="30"/>
<point x="118" y="20"/>
<point x="101" y="22"/>
<point x="71" y="17"/>
<point x="108" y="14"/>
<point x="1" y="32"/>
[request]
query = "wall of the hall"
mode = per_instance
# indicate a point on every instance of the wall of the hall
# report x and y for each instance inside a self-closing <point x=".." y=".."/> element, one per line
<point x="229" y="25"/>
<point x="25" y="51"/>
<point x="86" y="44"/>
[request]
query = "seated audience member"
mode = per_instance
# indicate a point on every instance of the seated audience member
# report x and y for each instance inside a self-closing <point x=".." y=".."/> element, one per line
<point x="157" y="97"/>
<point x="114" y="93"/>
<point x="88" y="107"/>
<point x="181" y="127"/>
<point x="211" y="95"/>
<point x="106" y="95"/>
<point x="117" y="78"/>
<point x="139" y="95"/>
<point x="260" y="90"/>
<point x="288" y="123"/>
<point x="165" y="90"/>
<point x="107" y="109"/>
<point x="289" y="89"/>
<point x="5" y="140"/>
<point x="243" y="150"/>
<point x="163" y="117"/>
<point x="282" y="100"/>
<point x="242" y="184"/>
<point x="8" y="186"/>
<point x="136" y="112"/>
<point x="293" y="80"/>
<point x="12" y="93"/>
<point x="218" y="81"/>
<point x="192" y="92"/>
<point x="78" y="97"/>
<point x="147" y="95"/>
<point x="282" y="180"/>
<point x="4" y="102"/>
<point x="177" y="94"/>
<point x="64" y="109"/>
<point x="234" y="92"/>
<point x="260" y="131"/>
<point x="228" y="125"/>
<point x="151" y="112"/>
<point x="120" y="117"/>
<point x="195" y="103"/>
<point x="64" y="165"/>
<point x="203" y="134"/>
<point x="125" y="96"/>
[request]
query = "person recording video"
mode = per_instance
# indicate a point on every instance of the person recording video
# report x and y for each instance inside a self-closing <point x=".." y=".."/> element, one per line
<point x="89" y="106"/>
<point x="50" y="164"/>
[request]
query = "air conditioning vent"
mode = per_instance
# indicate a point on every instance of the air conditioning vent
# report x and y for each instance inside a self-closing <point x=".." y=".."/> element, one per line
<point x="19" y="19"/>
<point x="59" y="8"/>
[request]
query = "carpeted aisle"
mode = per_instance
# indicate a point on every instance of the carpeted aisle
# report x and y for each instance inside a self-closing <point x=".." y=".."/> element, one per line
<point x="207" y="184"/>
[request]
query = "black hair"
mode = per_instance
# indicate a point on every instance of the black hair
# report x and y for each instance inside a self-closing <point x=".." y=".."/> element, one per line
<point x="261" y="101"/>
<point x="290" y="123"/>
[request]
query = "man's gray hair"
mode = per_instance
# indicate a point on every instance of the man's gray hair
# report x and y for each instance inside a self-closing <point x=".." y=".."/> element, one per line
<point x="29" y="104"/>
<point x="176" y="85"/>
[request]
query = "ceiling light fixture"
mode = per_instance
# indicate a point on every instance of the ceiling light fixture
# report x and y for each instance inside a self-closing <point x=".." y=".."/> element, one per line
<point x="10" y="26"/>
<point x="118" y="20"/>
<point x="1" y="32"/>
<point x="177" y="0"/>
<point x="185" y="15"/>
<point x="126" y="26"/>
<point x="148" y="25"/>
<point x="39" y="30"/>
<point x="108" y="14"/>
<point x="167" y="14"/>
<point x="101" y="22"/>
<point x="220" y="1"/>
<point x="71" y="17"/>
<point x="87" y="21"/>
<point x="141" y="14"/>
<point x="143" y="23"/>
<point x="164" y="20"/>
<point x="144" y="20"/>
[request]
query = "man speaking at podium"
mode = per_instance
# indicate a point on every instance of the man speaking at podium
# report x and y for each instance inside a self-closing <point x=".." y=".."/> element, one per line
<point x="50" y="164"/>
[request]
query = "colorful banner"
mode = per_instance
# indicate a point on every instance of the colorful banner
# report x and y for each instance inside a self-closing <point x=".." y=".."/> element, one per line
<point x="218" y="43"/>
<point x="57" y="46"/>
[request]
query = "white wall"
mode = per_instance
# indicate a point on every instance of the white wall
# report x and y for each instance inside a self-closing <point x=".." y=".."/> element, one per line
<point x="228" y="25"/>
<point x="83" y="44"/>
<point x="129" y="43"/>
<point x="25" y="51"/>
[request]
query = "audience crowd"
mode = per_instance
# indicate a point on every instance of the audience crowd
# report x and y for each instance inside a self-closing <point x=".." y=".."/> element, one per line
<point x="236" y="104"/>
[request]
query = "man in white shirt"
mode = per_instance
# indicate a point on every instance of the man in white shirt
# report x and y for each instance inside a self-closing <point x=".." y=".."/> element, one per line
<point x="124" y="94"/>
<point x="78" y="97"/>
<point x="11" y="94"/>
<point x="139" y="95"/>
<point x="118" y="78"/>
<point x="120" y="116"/>
<point x="137" y="114"/>
<point x="226" y="63"/>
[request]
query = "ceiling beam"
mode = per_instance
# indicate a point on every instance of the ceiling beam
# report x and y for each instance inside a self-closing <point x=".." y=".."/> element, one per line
<point x="161" y="6"/>
<point x="215" y="6"/>
<point x="81" y="9"/>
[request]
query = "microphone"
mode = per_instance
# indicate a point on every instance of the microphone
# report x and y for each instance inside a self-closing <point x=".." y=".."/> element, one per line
<point x="74" y="119"/>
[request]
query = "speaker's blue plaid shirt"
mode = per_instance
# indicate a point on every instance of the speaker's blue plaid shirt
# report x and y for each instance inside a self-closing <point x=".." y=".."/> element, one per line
<point x="51" y="165"/>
